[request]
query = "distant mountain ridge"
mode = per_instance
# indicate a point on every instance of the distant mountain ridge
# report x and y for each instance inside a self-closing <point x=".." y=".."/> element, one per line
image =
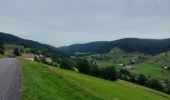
<point x="47" y="50"/>
<point x="148" y="46"/>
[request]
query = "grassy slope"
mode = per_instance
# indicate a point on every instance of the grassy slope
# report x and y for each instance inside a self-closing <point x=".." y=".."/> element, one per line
<point x="41" y="82"/>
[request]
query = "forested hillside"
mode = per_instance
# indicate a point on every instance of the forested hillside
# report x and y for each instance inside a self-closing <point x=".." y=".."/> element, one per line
<point x="148" y="46"/>
<point x="35" y="47"/>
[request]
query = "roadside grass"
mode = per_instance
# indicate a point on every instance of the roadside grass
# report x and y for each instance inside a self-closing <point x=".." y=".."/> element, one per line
<point x="42" y="82"/>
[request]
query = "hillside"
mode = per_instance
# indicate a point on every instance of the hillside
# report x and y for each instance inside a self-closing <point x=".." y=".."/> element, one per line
<point x="50" y="83"/>
<point x="117" y="56"/>
<point x="35" y="47"/>
<point x="148" y="46"/>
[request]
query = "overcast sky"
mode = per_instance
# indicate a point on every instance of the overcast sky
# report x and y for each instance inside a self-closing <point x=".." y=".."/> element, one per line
<point x="64" y="22"/>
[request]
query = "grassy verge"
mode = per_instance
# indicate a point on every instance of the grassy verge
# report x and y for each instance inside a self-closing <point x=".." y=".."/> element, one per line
<point x="42" y="82"/>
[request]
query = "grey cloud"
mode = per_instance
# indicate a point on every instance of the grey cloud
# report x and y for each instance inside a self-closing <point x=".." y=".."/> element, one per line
<point x="63" y="22"/>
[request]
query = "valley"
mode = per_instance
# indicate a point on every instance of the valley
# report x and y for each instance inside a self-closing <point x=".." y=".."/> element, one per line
<point x="84" y="50"/>
<point x="48" y="73"/>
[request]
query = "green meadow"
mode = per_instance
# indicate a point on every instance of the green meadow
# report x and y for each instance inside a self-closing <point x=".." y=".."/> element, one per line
<point x="42" y="82"/>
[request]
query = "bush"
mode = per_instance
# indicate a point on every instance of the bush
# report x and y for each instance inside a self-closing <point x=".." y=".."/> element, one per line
<point x="168" y="68"/>
<point x="124" y="71"/>
<point x="1" y="51"/>
<point x="155" y="84"/>
<point x="141" y="79"/>
<point x="94" y="70"/>
<point x="16" y="52"/>
<point x="132" y="78"/>
<point x="66" y="64"/>
<point x="83" y="66"/>
<point x="110" y="73"/>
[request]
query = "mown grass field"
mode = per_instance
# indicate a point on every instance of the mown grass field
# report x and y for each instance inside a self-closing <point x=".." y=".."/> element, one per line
<point x="42" y="82"/>
<point x="154" y="67"/>
<point x="152" y="70"/>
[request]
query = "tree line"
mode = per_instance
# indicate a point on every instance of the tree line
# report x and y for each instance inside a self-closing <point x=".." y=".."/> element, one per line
<point x="143" y="80"/>
<point x="83" y="66"/>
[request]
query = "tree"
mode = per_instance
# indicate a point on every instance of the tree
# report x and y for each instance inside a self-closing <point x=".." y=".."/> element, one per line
<point x="66" y="64"/>
<point x="155" y="84"/>
<point x="1" y="48"/>
<point x="168" y="68"/>
<point x="124" y="71"/>
<point x="141" y="79"/>
<point x="16" y="52"/>
<point x="94" y="70"/>
<point x="132" y="78"/>
<point x="168" y="91"/>
<point x="110" y="73"/>
<point x="83" y="66"/>
<point x="36" y="59"/>
<point x="1" y="51"/>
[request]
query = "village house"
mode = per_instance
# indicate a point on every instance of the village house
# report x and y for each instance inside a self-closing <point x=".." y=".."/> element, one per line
<point x="166" y="68"/>
<point x="28" y="56"/>
<point x="121" y="65"/>
<point x="48" y="59"/>
<point x="133" y="61"/>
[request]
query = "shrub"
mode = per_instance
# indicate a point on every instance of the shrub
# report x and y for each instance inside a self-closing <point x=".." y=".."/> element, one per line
<point x="1" y="51"/>
<point x="16" y="52"/>
<point x="155" y="84"/>
<point x="110" y="73"/>
<point x="66" y="64"/>
<point x="83" y="66"/>
<point x="141" y="79"/>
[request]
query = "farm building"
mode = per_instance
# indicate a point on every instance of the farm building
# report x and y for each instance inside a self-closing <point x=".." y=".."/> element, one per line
<point x="28" y="56"/>
<point x="48" y="59"/>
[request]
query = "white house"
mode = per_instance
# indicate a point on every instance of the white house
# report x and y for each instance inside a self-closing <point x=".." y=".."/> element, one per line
<point x="48" y="59"/>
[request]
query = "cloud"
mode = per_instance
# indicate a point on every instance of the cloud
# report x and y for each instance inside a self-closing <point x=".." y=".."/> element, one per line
<point x="63" y="22"/>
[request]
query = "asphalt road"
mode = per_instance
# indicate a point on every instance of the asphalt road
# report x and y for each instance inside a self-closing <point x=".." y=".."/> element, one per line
<point x="9" y="79"/>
